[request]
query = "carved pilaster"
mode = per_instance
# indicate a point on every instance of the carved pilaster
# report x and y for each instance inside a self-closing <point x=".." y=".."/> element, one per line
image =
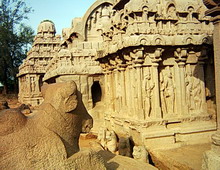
<point x="138" y="59"/>
<point x="130" y="91"/>
<point x="121" y="65"/>
<point x="201" y="61"/>
<point x="155" y="58"/>
<point x="180" y="56"/>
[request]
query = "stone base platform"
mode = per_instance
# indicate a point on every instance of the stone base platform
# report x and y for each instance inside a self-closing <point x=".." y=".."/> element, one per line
<point x="186" y="157"/>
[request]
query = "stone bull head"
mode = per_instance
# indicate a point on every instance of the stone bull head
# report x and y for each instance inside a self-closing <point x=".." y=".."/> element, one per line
<point x="49" y="135"/>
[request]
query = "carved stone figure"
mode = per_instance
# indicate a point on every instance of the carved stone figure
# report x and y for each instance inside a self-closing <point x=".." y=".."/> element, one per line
<point x="140" y="154"/>
<point x="33" y="84"/>
<point x="108" y="139"/>
<point x="48" y="137"/>
<point x="162" y="95"/>
<point x="167" y="91"/>
<point x="189" y="88"/>
<point x="111" y="141"/>
<point x="149" y="86"/>
<point x="196" y="92"/>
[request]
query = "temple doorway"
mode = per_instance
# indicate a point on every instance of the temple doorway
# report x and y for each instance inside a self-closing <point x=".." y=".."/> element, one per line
<point x="96" y="93"/>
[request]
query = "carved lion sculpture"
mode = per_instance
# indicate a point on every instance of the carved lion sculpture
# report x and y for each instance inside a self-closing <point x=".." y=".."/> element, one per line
<point x="48" y="137"/>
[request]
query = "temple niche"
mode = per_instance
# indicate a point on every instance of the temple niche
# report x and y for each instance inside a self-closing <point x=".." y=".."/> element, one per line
<point x="144" y="70"/>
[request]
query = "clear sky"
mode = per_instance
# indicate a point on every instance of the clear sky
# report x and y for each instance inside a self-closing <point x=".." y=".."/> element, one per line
<point x="61" y="12"/>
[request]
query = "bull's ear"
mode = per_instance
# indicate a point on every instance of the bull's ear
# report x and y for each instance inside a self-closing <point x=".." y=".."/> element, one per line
<point x="71" y="103"/>
<point x="44" y="89"/>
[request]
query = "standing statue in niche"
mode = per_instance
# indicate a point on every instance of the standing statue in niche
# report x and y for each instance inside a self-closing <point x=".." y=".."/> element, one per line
<point x="189" y="86"/>
<point x="196" y="92"/>
<point x="149" y="86"/>
<point x="162" y="96"/>
<point x="167" y="91"/>
<point x="32" y="84"/>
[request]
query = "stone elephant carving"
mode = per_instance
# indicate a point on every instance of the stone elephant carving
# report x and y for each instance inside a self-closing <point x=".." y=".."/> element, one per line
<point x="48" y="137"/>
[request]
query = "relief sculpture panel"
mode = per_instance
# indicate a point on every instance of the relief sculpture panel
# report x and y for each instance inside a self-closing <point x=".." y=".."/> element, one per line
<point x="149" y="86"/>
<point x="194" y="94"/>
<point x="167" y="91"/>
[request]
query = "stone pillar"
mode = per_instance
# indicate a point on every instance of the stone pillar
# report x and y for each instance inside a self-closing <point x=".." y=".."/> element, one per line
<point x="138" y="58"/>
<point x="139" y="105"/>
<point x="106" y="80"/>
<point x="157" y="107"/>
<point x="211" y="159"/>
<point x="28" y="81"/>
<point x="180" y="56"/>
<point x="134" y="92"/>
<point x="90" y="103"/>
<point x="130" y="99"/>
<point x="109" y="91"/>
<point x="116" y="91"/>
<point x="37" y="84"/>
<point x="202" y="78"/>
<point x="123" y="86"/>
<point x="155" y="75"/>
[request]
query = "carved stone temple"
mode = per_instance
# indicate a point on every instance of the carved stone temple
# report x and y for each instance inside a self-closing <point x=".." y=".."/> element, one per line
<point x="144" y="68"/>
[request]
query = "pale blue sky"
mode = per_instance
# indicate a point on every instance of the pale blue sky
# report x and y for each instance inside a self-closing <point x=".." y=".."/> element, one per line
<point x="61" y="12"/>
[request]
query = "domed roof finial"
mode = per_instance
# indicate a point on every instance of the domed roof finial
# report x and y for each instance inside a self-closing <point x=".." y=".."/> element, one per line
<point x="46" y="26"/>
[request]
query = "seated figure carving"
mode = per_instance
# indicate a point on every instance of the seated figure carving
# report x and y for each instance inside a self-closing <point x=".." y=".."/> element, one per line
<point x="140" y="154"/>
<point x="48" y="137"/>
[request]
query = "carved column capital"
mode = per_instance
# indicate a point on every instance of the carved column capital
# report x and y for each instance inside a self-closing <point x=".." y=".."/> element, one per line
<point x="180" y="55"/>
<point x="156" y="57"/>
<point x="137" y="55"/>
